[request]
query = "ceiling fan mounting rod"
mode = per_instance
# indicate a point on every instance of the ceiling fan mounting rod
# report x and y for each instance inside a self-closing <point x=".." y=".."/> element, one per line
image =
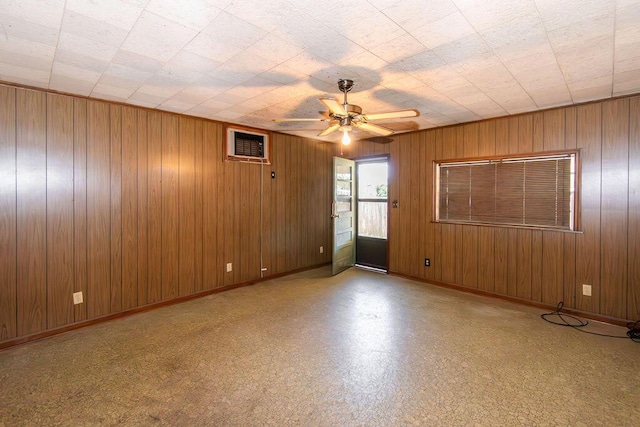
<point x="345" y="86"/>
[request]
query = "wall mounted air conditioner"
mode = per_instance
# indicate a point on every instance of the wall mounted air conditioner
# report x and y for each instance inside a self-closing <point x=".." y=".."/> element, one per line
<point x="247" y="145"/>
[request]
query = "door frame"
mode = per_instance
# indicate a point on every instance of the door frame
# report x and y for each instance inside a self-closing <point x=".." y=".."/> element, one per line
<point x="373" y="159"/>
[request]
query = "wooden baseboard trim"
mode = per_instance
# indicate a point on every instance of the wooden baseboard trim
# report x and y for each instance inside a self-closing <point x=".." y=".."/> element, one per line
<point x="148" y="307"/>
<point x="591" y="316"/>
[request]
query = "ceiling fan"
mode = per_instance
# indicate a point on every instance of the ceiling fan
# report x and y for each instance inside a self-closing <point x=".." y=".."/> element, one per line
<point x="344" y="117"/>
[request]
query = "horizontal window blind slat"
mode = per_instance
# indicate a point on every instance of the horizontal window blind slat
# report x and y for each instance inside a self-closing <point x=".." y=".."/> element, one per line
<point x="515" y="192"/>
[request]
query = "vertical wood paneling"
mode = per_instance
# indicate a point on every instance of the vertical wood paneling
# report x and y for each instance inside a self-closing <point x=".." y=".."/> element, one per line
<point x="187" y="208"/>
<point x="132" y="206"/>
<point x="394" y="216"/>
<point x="116" y="208"/>
<point x="524" y="239"/>
<point x="589" y="130"/>
<point x="501" y="235"/>
<point x="80" y="204"/>
<point x="209" y="208"/>
<point x="199" y="241"/>
<point x="614" y="207"/>
<point x="267" y="218"/>
<point x="8" y="289"/>
<point x="129" y="208"/>
<point x="633" y="278"/>
<point x="293" y="237"/>
<point x="143" y="208"/>
<point x="448" y="231"/>
<point x="437" y="241"/>
<point x="569" y="243"/>
<point x="536" y="235"/>
<point x="428" y="154"/>
<point x="59" y="219"/>
<point x="459" y="242"/>
<point x="303" y="174"/>
<point x="486" y="241"/>
<point x="154" y="222"/>
<point x="98" y="210"/>
<point x="221" y="207"/>
<point x="170" y="214"/>
<point x="31" y="203"/>
<point x="470" y="233"/>
<point x="416" y="218"/>
<point x="552" y="273"/>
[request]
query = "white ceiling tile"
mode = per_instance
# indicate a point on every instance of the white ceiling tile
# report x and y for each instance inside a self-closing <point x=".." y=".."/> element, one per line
<point x="157" y="37"/>
<point x="137" y="61"/>
<point x="62" y="70"/>
<point x="81" y="61"/>
<point x="306" y="64"/>
<point x="148" y="100"/>
<point x="23" y="75"/>
<point x="465" y="53"/>
<point x="119" y="14"/>
<point x="44" y="12"/>
<point x="113" y="93"/>
<point x="85" y="47"/>
<point x="162" y="91"/>
<point x="253" y="61"/>
<point x="28" y="61"/>
<point x="195" y="14"/>
<point x="626" y="82"/>
<point x="557" y="14"/>
<point x="592" y="93"/>
<point x="276" y="49"/>
<point x="141" y="103"/>
<point x="520" y="37"/>
<point x="550" y="96"/>
<point x="224" y="37"/>
<point x="486" y="14"/>
<point x="93" y="29"/>
<point x="368" y="27"/>
<point x="397" y="49"/>
<point x="413" y="14"/>
<point x="176" y="106"/>
<point x="443" y="31"/>
<point x="271" y="15"/>
<point x="19" y="28"/>
<point x="63" y="83"/>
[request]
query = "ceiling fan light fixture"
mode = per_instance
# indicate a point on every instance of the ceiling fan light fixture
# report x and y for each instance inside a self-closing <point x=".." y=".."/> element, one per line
<point x="345" y="124"/>
<point x="346" y="140"/>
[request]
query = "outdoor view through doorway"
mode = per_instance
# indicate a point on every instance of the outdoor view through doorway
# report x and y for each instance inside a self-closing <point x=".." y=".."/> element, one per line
<point x="372" y="207"/>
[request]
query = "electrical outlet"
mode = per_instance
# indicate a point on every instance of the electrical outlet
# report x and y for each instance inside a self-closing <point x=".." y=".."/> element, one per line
<point x="586" y="290"/>
<point x="321" y="249"/>
<point x="229" y="267"/>
<point x="427" y="262"/>
<point x="77" y="298"/>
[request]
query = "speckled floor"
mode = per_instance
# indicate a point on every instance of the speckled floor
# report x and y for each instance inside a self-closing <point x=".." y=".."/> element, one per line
<point x="360" y="348"/>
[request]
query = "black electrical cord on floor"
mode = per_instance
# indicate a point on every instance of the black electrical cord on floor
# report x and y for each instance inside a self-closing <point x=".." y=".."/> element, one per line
<point x="572" y="321"/>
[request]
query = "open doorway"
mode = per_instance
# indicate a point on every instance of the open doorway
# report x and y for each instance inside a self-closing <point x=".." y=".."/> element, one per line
<point x="372" y="210"/>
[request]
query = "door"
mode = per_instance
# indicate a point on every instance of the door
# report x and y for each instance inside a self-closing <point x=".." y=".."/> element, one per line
<point x="342" y="214"/>
<point x="372" y="207"/>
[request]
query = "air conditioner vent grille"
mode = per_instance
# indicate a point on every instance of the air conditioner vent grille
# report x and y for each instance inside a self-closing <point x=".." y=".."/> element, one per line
<point x="249" y="145"/>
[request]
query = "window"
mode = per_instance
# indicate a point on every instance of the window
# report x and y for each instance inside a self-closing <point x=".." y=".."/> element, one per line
<point x="532" y="191"/>
<point x="372" y="199"/>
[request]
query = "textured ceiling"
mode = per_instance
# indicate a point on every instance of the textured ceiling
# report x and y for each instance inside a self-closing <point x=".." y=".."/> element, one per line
<point x="248" y="62"/>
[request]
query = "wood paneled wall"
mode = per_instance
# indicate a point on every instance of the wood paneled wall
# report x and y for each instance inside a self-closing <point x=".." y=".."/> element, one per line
<point x="532" y="265"/>
<point x="132" y="207"/>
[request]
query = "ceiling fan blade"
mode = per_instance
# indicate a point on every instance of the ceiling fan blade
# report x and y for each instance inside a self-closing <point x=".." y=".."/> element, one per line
<point x="334" y="106"/>
<point x="370" y="127"/>
<point x="332" y="128"/>
<point x="401" y="114"/>
<point x="299" y="120"/>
